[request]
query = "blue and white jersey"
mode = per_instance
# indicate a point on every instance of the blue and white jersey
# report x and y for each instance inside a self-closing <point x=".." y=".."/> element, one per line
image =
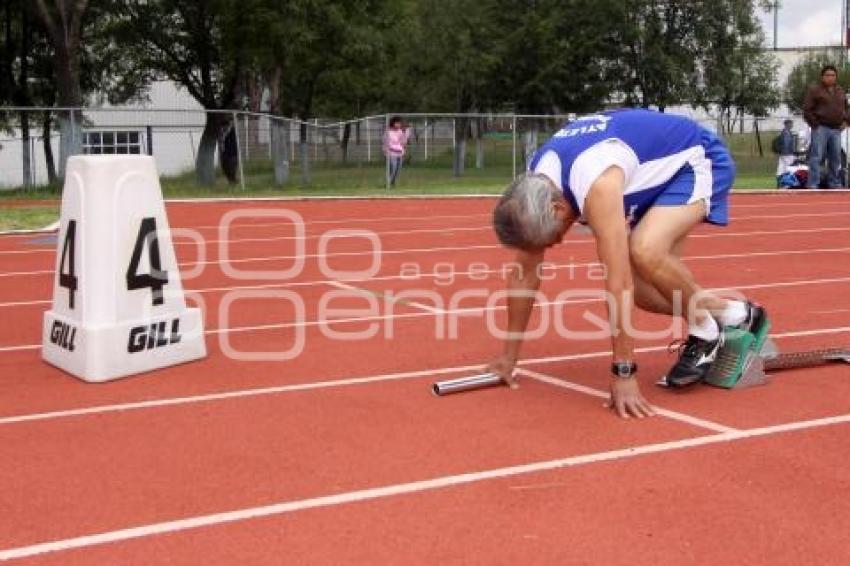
<point x="667" y="161"/>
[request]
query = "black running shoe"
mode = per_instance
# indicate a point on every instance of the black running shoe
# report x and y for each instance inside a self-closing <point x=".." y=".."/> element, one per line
<point x="695" y="358"/>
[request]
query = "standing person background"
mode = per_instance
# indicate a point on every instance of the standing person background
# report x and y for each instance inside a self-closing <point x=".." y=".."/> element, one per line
<point x="395" y="142"/>
<point x="825" y="110"/>
<point x="784" y="147"/>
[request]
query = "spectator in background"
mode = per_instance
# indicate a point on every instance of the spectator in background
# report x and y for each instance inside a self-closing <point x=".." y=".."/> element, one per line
<point x="395" y="141"/>
<point x="784" y="146"/>
<point x="825" y="110"/>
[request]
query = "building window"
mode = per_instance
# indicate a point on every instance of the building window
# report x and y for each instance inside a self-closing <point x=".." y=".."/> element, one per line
<point x="112" y="142"/>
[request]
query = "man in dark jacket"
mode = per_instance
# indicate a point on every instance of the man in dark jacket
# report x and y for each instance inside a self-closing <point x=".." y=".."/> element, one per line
<point x="825" y="110"/>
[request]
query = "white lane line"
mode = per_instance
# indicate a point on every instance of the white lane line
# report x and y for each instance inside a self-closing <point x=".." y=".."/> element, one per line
<point x="21" y="234"/>
<point x="453" y="249"/>
<point x="309" y="386"/>
<point x="432" y="311"/>
<point x="490" y="271"/>
<point x="387" y="296"/>
<point x="20" y="348"/>
<point x="771" y="232"/>
<point x="832" y="311"/>
<point x="26" y="303"/>
<point x="336" y="221"/>
<point x="395" y="490"/>
<point x="483" y="247"/>
<point x="180" y="242"/>
<point x="241" y="393"/>
<point x="34" y="250"/>
<point x="674" y="415"/>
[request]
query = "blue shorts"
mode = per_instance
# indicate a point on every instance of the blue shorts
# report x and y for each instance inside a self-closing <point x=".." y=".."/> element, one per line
<point x="680" y="189"/>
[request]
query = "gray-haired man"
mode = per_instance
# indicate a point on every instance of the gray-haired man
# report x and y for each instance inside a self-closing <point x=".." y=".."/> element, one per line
<point x="668" y="175"/>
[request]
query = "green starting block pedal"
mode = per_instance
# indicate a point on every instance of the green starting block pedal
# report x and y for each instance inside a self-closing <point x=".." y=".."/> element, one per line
<point x="740" y="362"/>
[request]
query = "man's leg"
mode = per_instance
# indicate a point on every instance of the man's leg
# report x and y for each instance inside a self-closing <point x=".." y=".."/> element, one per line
<point x="816" y="150"/>
<point x="665" y="285"/>
<point x="833" y="156"/>
<point x="655" y="244"/>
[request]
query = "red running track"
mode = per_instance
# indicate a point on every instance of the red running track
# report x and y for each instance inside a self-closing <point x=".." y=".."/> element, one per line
<point x="342" y="455"/>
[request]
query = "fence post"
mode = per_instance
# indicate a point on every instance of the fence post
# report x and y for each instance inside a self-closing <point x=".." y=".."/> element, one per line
<point x="247" y="137"/>
<point x="513" y="144"/>
<point x="73" y="133"/>
<point x="315" y="144"/>
<point x="238" y="151"/>
<point x="368" y="143"/>
<point x="33" y="163"/>
<point x="386" y="157"/>
<point x="426" y="139"/>
<point x="289" y="141"/>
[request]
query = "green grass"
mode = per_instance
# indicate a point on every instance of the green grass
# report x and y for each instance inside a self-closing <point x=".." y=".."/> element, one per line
<point x="27" y="217"/>
<point x="433" y="177"/>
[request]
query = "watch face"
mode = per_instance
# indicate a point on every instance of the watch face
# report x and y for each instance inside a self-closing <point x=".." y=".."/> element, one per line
<point x="624" y="370"/>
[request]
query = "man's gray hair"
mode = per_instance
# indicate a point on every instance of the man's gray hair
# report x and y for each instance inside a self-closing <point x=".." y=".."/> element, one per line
<point x="524" y="217"/>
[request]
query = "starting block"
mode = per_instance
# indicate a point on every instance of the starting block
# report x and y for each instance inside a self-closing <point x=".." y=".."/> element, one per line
<point x="740" y="365"/>
<point x="118" y="301"/>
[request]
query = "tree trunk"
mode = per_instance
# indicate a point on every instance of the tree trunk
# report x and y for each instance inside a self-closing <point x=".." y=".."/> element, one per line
<point x="304" y="154"/>
<point x="70" y="137"/>
<point x="478" y="131"/>
<point x="229" y="152"/>
<point x="758" y="137"/>
<point x="63" y="23"/>
<point x="52" y="178"/>
<point x="343" y="144"/>
<point x="22" y="98"/>
<point x="205" y="161"/>
<point x="252" y="124"/>
<point x="26" y="153"/>
<point x="279" y="129"/>
<point x="461" y="125"/>
<point x="280" y="150"/>
<point x="530" y="144"/>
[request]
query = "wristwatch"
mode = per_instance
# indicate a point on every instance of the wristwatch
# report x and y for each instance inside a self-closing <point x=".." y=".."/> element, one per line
<point x="623" y="370"/>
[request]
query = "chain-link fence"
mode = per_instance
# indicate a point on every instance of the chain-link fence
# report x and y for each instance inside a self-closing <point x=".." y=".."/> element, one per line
<point x="258" y="151"/>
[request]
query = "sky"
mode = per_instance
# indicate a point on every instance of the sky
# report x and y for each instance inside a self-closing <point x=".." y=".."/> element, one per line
<point x="805" y="23"/>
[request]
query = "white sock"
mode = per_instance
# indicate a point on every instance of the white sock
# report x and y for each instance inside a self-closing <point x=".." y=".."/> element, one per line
<point x="734" y="314"/>
<point x="706" y="330"/>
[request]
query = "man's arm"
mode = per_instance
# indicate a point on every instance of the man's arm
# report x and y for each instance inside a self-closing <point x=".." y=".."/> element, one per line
<point x="604" y="211"/>
<point x="809" y="108"/>
<point x="846" y="108"/>
<point x="522" y="284"/>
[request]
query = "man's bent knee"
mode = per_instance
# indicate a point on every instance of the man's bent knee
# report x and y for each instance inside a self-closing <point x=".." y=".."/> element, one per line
<point x="647" y="256"/>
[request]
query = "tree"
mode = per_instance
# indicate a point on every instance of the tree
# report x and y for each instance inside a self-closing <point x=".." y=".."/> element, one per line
<point x="659" y="54"/>
<point x="450" y="55"/>
<point x="738" y="76"/>
<point x="555" y="55"/>
<point x="15" y="63"/>
<point x="200" y="45"/>
<point x="63" y="23"/>
<point x="332" y="58"/>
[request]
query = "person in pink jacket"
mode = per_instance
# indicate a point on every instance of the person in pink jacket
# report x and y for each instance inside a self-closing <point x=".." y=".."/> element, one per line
<point x="395" y="140"/>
